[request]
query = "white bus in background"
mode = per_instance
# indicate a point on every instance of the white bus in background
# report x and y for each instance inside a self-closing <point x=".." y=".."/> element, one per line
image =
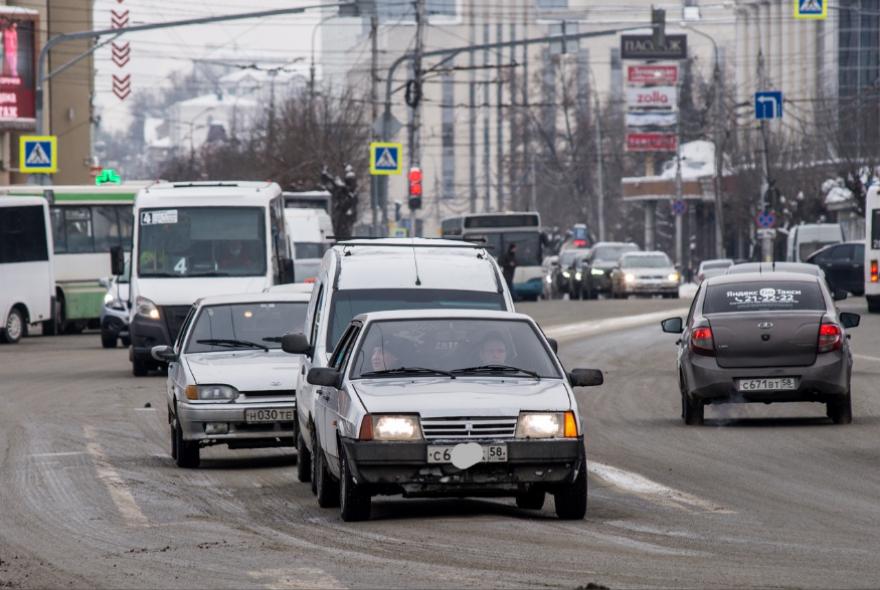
<point x="872" y="248"/>
<point x="807" y="238"/>
<point x="193" y="240"/>
<point x="498" y="231"/>
<point x="310" y="229"/>
<point x="27" y="276"/>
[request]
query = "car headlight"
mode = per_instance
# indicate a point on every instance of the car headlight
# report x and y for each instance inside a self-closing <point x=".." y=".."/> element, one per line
<point x="549" y="279"/>
<point x="391" y="427"/>
<point x="629" y="277"/>
<point x="566" y="274"/>
<point x="211" y="393"/>
<point x="674" y="277"/>
<point x="108" y="298"/>
<point x="577" y="276"/>
<point x="546" y="425"/>
<point x="147" y="308"/>
<point x="597" y="272"/>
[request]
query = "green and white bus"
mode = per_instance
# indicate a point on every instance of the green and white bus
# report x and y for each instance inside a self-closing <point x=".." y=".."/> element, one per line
<point x="87" y="221"/>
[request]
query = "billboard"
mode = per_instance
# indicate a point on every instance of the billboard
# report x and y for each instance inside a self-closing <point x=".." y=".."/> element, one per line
<point x="18" y="72"/>
<point x="643" y="47"/>
<point x="651" y="142"/>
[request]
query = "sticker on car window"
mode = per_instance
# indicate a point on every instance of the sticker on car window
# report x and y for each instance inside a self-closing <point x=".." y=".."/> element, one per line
<point x="766" y="295"/>
<point x="162" y="217"/>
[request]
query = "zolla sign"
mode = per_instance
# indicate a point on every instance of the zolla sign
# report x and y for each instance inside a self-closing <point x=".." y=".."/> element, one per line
<point x="643" y="47"/>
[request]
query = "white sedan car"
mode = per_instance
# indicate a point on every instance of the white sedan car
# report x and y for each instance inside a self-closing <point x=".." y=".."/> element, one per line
<point x="228" y="380"/>
<point x="447" y="403"/>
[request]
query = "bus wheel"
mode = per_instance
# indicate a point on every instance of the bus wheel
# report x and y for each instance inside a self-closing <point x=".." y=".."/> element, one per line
<point x="14" y="327"/>
<point x="873" y="304"/>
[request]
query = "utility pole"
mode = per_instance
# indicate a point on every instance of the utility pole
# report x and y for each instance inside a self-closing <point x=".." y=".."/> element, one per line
<point x="415" y="129"/>
<point x="600" y="176"/>
<point x="374" y="104"/>
<point x="499" y="144"/>
<point x="679" y="257"/>
<point x="766" y="236"/>
<point x="472" y="116"/>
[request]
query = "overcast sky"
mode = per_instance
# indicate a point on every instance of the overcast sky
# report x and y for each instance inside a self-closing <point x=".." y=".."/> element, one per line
<point x="155" y="54"/>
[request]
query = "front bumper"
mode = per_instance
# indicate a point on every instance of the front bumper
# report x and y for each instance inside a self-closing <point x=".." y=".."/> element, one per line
<point x="637" y="288"/>
<point x="599" y="283"/>
<point x="193" y="419"/>
<point x="402" y="467"/>
<point x="145" y="334"/>
<point x="530" y="289"/>
<point x="825" y="380"/>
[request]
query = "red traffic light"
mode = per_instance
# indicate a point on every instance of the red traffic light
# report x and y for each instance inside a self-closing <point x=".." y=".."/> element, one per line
<point x="415" y="182"/>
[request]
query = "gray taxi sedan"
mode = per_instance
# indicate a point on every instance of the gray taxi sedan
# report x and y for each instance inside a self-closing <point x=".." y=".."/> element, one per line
<point x="766" y="338"/>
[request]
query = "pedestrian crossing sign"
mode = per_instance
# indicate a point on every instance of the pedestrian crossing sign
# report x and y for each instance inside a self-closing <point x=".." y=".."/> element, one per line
<point x="386" y="159"/>
<point x="38" y="154"/>
<point x="811" y="9"/>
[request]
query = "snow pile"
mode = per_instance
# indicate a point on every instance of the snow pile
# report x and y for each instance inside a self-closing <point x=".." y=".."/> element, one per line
<point x="697" y="161"/>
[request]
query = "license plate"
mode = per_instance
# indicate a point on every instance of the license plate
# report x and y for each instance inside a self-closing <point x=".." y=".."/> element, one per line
<point x="768" y="384"/>
<point x="443" y="453"/>
<point x="264" y="415"/>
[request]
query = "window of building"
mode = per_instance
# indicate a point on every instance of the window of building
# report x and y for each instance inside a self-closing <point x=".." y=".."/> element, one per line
<point x="447" y="106"/>
<point x="551" y="4"/>
<point x="395" y="10"/>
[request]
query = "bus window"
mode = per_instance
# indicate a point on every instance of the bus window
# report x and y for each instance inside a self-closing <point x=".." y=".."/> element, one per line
<point x="23" y="235"/>
<point x="78" y="228"/>
<point x="875" y="229"/>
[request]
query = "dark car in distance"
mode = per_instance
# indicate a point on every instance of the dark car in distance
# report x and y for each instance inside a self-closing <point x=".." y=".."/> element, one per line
<point x="844" y="266"/>
<point x="765" y="338"/>
<point x="596" y="268"/>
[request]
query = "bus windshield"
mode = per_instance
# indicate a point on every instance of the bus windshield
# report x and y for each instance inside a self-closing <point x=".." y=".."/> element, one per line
<point x="201" y="242"/>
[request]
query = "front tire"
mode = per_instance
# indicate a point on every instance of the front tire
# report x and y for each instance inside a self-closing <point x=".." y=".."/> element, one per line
<point x="303" y="460"/>
<point x="327" y="487"/>
<point x="571" y="500"/>
<point x="14" y="328"/>
<point x="186" y="452"/>
<point x="354" y="500"/>
<point x="692" y="410"/>
<point x="531" y="499"/>
<point x="840" y="411"/>
<point x="139" y="367"/>
<point x="873" y="304"/>
<point x="108" y="340"/>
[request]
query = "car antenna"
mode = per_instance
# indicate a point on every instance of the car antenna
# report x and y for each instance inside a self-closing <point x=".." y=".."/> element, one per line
<point x="415" y="260"/>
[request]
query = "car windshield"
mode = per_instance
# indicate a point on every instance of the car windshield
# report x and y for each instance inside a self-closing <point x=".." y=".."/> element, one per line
<point x="202" y="241"/>
<point x="310" y="249"/>
<point x="465" y="346"/>
<point x="612" y="253"/>
<point x="566" y="258"/>
<point x="805" y="249"/>
<point x="245" y="325"/>
<point x="645" y="262"/>
<point x="349" y="303"/>
<point x="763" y="296"/>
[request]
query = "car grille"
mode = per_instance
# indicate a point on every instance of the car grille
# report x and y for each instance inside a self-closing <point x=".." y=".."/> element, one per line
<point x="270" y="393"/>
<point x="468" y="428"/>
<point x="174" y="316"/>
<point x="652" y="277"/>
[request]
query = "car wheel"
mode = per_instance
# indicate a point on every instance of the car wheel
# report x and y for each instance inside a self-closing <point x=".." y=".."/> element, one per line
<point x="327" y="488"/>
<point x="571" y="500"/>
<point x="14" y="328"/>
<point x="314" y="465"/>
<point x="354" y="500"/>
<point x="108" y="340"/>
<point x="303" y="460"/>
<point x="126" y="342"/>
<point x="873" y="304"/>
<point x="693" y="410"/>
<point x="139" y="367"/>
<point x="531" y="499"/>
<point x="187" y="451"/>
<point x="840" y="411"/>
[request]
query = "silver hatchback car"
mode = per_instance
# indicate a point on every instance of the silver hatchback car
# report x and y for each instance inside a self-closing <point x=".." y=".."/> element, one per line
<point x="767" y="338"/>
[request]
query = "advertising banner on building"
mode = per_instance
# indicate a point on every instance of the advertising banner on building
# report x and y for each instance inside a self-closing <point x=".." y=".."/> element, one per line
<point x="651" y="119"/>
<point x="18" y="73"/>
<point x="643" y="47"/>
<point x="651" y="142"/>
<point x="651" y="97"/>
<point x="662" y="74"/>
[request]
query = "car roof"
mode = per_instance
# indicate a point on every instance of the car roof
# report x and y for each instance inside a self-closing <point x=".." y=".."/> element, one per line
<point x="657" y="253"/>
<point x="427" y="314"/>
<point x="753" y="277"/>
<point x="767" y="267"/>
<point x="246" y="298"/>
<point x="305" y="288"/>
<point x="614" y="244"/>
<point x="401" y="263"/>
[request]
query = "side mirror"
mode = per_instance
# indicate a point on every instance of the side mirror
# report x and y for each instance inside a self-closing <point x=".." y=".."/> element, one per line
<point x="163" y="353"/>
<point x="104" y="282"/>
<point x="295" y="344"/>
<point x="586" y="377"/>
<point x="117" y="260"/>
<point x="839" y="295"/>
<point x="288" y="274"/>
<point x="554" y="345"/>
<point x="850" y="320"/>
<point x="673" y="325"/>
<point x="325" y="377"/>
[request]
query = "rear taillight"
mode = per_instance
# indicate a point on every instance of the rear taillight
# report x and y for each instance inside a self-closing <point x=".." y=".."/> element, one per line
<point x="875" y="276"/>
<point x="702" y="341"/>
<point x="830" y="337"/>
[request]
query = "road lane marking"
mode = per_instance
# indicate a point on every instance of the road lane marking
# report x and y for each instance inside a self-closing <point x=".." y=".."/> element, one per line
<point x="114" y="483"/>
<point x="596" y="327"/>
<point x="867" y="358"/>
<point x="651" y="490"/>
<point x="295" y="578"/>
<point x="59" y="454"/>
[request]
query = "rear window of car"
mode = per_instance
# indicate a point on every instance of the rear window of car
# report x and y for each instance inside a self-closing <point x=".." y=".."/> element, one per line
<point x="764" y="296"/>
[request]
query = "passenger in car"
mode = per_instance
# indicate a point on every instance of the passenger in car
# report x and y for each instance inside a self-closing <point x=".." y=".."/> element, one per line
<point x="493" y="349"/>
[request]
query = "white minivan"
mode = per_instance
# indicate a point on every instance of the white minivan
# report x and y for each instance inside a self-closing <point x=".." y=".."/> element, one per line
<point x="362" y="276"/>
<point x="807" y="238"/>
<point x="27" y="274"/>
<point x="872" y="248"/>
<point x="193" y="240"/>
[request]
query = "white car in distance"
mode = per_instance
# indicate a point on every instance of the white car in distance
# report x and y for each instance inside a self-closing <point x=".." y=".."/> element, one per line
<point x="228" y="380"/>
<point x="447" y="403"/>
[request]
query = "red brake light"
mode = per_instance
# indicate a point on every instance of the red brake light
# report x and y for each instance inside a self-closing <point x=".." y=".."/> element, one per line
<point x="580" y="243"/>
<point x="310" y="280"/>
<point x="830" y="337"/>
<point x="702" y="341"/>
<point x="875" y="275"/>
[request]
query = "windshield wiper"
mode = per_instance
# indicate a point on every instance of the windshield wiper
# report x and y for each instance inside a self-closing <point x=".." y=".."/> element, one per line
<point x="409" y="371"/>
<point x="272" y="339"/>
<point x="497" y="369"/>
<point x="208" y="274"/>
<point x="161" y="275"/>
<point x="231" y="343"/>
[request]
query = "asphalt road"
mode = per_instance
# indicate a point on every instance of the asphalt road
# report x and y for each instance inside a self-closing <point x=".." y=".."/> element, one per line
<point x="769" y="496"/>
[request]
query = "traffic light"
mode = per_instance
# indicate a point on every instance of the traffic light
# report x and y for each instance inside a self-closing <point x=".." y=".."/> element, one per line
<point x="658" y="25"/>
<point x="415" y="188"/>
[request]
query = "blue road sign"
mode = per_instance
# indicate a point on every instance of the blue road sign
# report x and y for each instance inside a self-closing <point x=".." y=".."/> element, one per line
<point x="386" y="159"/>
<point x="679" y="207"/>
<point x="812" y="9"/>
<point x="38" y="154"/>
<point x="768" y="105"/>
<point x="766" y="220"/>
